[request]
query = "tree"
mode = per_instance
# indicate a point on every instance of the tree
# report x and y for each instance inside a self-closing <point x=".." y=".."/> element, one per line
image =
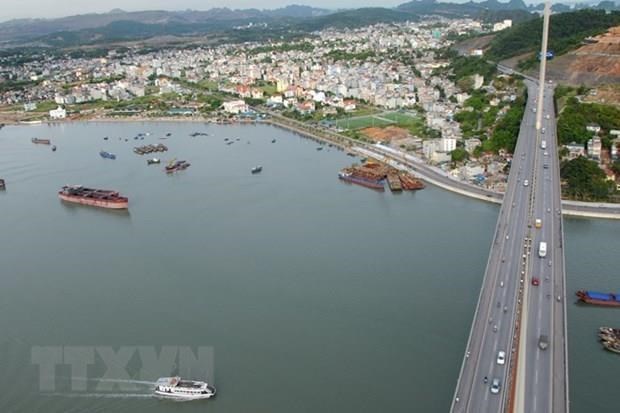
<point x="585" y="181"/>
<point x="459" y="155"/>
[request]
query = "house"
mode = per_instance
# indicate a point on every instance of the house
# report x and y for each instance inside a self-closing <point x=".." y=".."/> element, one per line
<point x="593" y="127"/>
<point x="305" y="107"/>
<point x="349" y="105"/>
<point x="58" y="113"/>
<point x="575" y="150"/>
<point x="29" y="107"/>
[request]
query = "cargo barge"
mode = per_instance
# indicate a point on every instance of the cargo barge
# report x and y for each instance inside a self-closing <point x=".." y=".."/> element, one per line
<point x="596" y="298"/>
<point x="101" y="198"/>
<point x="394" y="182"/>
<point x="41" y="141"/>
<point x="410" y="183"/>
<point x="367" y="182"/>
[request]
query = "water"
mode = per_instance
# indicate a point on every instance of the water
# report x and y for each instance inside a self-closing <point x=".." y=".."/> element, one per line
<point x="315" y="295"/>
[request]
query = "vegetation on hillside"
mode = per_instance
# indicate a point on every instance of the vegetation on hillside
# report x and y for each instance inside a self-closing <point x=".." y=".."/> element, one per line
<point x="583" y="180"/>
<point x="566" y="31"/>
<point x="507" y="129"/>
<point x="576" y="116"/>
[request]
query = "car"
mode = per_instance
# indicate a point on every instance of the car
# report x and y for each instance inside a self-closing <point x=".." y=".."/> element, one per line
<point x="538" y="223"/>
<point x="495" y="386"/>
<point x="546" y="153"/>
<point x="535" y="282"/>
<point x="546" y="166"/>
<point x="501" y="358"/>
<point x="547" y="116"/>
<point x="526" y="182"/>
<point x="542" y="130"/>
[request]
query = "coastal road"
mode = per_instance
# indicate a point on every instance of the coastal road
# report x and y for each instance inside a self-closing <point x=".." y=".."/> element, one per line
<point x="432" y="174"/>
<point x="498" y="311"/>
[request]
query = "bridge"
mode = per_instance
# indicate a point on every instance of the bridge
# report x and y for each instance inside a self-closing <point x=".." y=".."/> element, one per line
<point x="516" y="355"/>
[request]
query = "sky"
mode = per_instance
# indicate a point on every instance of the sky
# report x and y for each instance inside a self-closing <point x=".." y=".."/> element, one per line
<point x="12" y="9"/>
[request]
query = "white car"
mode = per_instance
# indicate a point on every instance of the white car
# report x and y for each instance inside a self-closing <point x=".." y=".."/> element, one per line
<point x="495" y="386"/>
<point x="526" y="182"/>
<point x="547" y="117"/>
<point x="501" y="358"/>
<point x="546" y="153"/>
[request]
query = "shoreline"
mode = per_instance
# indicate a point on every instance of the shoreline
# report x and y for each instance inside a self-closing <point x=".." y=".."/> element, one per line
<point x="426" y="172"/>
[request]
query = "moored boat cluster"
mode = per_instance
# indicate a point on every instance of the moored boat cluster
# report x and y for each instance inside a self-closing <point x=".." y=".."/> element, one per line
<point x="142" y="150"/>
<point x="610" y="338"/>
<point x="373" y="175"/>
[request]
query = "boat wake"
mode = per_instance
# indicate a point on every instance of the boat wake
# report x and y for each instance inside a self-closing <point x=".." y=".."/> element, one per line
<point x="102" y="395"/>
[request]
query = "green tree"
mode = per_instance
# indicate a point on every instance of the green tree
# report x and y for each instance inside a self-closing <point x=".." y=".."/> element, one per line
<point x="584" y="180"/>
<point x="459" y="155"/>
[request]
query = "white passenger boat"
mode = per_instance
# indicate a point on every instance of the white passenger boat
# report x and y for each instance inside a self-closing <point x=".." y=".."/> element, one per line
<point x="179" y="389"/>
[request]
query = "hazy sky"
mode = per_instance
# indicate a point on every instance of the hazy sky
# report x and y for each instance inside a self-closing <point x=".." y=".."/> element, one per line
<point x="10" y="9"/>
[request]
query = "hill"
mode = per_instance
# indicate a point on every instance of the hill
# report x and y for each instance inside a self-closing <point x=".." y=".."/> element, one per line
<point x="566" y="31"/>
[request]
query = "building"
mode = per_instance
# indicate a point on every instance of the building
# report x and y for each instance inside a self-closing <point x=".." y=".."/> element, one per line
<point x="30" y="106"/>
<point x="615" y="149"/>
<point x="575" y="150"/>
<point x="472" y="144"/>
<point x="502" y="25"/>
<point x="478" y="81"/>
<point x="235" y="107"/>
<point x="593" y="127"/>
<point x="58" y="113"/>
<point x="594" y="148"/>
<point x="447" y="144"/>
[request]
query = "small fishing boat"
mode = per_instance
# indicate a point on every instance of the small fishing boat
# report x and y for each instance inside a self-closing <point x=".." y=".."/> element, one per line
<point x="107" y="155"/>
<point x="152" y="161"/>
<point x="273" y="141"/>
<point x="257" y="169"/>
<point x="41" y="141"/>
<point x="2" y="184"/>
<point x="53" y="148"/>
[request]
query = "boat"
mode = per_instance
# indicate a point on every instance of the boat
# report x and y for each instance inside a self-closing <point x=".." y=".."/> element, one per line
<point x="107" y="155"/>
<point x="257" y="169"/>
<point x="410" y="183"/>
<point x="2" y="184"/>
<point x="597" y="298"/>
<point x="174" y="166"/>
<point x="367" y="182"/>
<point x="168" y="134"/>
<point x="53" y="148"/>
<point x="152" y="161"/>
<point x="102" y="198"/>
<point x="394" y="182"/>
<point x="41" y="141"/>
<point x="614" y="347"/>
<point x="319" y="148"/>
<point x="105" y="138"/>
<point x="273" y="141"/>
<point x="180" y="389"/>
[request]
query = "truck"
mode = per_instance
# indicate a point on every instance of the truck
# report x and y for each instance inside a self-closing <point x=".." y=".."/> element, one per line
<point x="543" y="342"/>
<point x="543" y="144"/>
<point x="542" y="249"/>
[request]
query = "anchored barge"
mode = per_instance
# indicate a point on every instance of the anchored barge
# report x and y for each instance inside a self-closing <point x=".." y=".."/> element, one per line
<point x="174" y="166"/>
<point x="350" y="176"/>
<point x="394" y="182"/>
<point x="101" y="198"/>
<point x="596" y="298"/>
<point x="410" y="183"/>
